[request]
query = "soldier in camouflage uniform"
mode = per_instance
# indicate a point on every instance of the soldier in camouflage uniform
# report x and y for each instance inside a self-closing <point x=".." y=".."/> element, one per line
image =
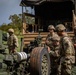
<point x="74" y="42"/>
<point x="54" y="55"/>
<point x="50" y="35"/>
<point x="12" y="41"/>
<point x="67" y="52"/>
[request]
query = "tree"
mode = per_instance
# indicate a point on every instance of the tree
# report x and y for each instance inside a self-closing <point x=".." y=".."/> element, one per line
<point x="16" y="22"/>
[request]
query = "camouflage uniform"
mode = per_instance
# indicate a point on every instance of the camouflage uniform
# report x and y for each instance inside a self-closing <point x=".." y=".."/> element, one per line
<point x="38" y="39"/>
<point x="12" y="41"/>
<point x="67" y="52"/>
<point x="49" y="36"/>
<point x="74" y="42"/>
<point x="54" y="55"/>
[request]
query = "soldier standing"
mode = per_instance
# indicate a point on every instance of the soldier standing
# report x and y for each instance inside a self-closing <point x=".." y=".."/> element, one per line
<point x="51" y="34"/>
<point x="74" y="42"/>
<point x="12" y="41"/>
<point x="54" y="55"/>
<point x="67" y="52"/>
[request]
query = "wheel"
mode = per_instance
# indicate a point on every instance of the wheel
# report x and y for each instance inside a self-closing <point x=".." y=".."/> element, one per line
<point x="39" y="61"/>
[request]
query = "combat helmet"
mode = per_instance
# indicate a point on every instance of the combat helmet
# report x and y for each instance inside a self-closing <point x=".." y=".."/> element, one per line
<point x="55" y="38"/>
<point x="60" y="27"/>
<point x="10" y="30"/>
<point x="51" y="27"/>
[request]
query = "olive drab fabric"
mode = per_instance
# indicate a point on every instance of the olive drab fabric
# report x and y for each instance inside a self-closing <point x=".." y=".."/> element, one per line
<point x="67" y="48"/>
<point x="54" y="55"/>
<point x="67" y="51"/>
<point x="12" y="42"/>
<point x="68" y="55"/>
<point x="53" y="50"/>
<point x="55" y="66"/>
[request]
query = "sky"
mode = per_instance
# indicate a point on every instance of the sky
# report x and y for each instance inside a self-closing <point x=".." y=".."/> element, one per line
<point x="7" y="8"/>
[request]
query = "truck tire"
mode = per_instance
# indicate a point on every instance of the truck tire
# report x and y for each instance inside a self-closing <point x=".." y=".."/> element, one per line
<point x="39" y="61"/>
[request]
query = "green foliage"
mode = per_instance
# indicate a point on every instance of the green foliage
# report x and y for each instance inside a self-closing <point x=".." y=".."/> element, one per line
<point x="16" y="24"/>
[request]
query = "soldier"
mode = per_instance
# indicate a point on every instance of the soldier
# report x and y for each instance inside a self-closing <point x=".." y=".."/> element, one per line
<point x="54" y="55"/>
<point x="74" y="42"/>
<point x="12" y="41"/>
<point x="67" y="52"/>
<point x="50" y="35"/>
<point x="38" y="39"/>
